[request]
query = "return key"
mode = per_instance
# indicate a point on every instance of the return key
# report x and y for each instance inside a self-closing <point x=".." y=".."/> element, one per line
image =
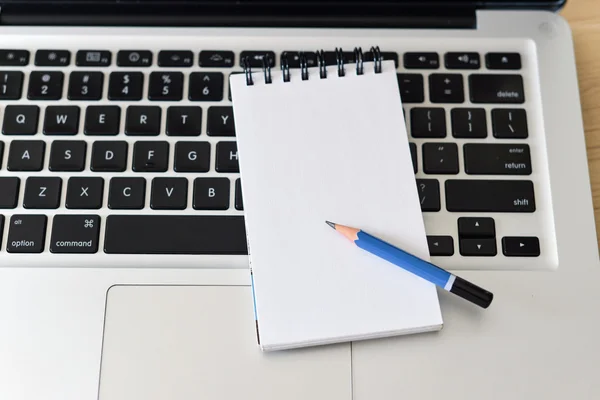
<point x="497" y="159"/>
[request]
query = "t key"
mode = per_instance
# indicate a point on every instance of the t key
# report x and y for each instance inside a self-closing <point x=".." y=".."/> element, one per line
<point x="26" y="234"/>
<point x="184" y="121"/>
<point x="206" y="86"/>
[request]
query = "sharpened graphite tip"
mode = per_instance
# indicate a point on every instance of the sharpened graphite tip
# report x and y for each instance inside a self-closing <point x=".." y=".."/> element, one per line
<point x="331" y="224"/>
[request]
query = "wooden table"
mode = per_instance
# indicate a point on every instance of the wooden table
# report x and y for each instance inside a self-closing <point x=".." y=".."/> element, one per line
<point x="584" y="19"/>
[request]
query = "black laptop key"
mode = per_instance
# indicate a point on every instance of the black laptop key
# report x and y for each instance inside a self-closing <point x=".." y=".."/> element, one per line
<point x="166" y="86"/>
<point x="497" y="159"/>
<point x="446" y="88"/>
<point x="14" y="58"/>
<point x="484" y="247"/>
<point x="227" y="157"/>
<point x="52" y="58"/>
<point x="421" y="60"/>
<point x="93" y="58"/>
<point x="11" y="85"/>
<point x="440" y="158"/>
<point x="331" y="57"/>
<point x="1" y="153"/>
<point x="428" y="123"/>
<point x="1" y="229"/>
<point x="20" y="120"/>
<point x="102" y="120"/>
<point x="61" y="120"/>
<point x="469" y="123"/>
<point x="85" y="193"/>
<point x="66" y="155"/>
<point x="26" y="234"/>
<point x="411" y="88"/>
<point x="476" y="227"/>
<point x="75" y="234"/>
<point x="45" y="85"/>
<point x="184" y="121"/>
<point x="175" y="58"/>
<point x="192" y="157"/>
<point x="385" y="56"/>
<point x="127" y="193"/>
<point x="462" y="60"/>
<point x="206" y="86"/>
<point x="503" y="60"/>
<point x="216" y="58"/>
<point x="9" y="191"/>
<point x="490" y="196"/>
<point x="509" y="123"/>
<point x="85" y="85"/>
<point x="413" y="156"/>
<point x="42" y="192"/>
<point x="520" y="246"/>
<point x="239" y="200"/>
<point x="175" y="234"/>
<point x="255" y="58"/>
<point x="211" y="194"/>
<point x="229" y="86"/>
<point x="429" y="194"/>
<point x="169" y="194"/>
<point x="134" y="58"/>
<point x="505" y="88"/>
<point x="440" y="245"/>
<point x="125" y="86"/>
<point x="151" y="156"/>
<point x="220" y="121"/>
<point x="109" y="156"/>
<point x="142" y="121"/>
<point x="293" y="58"/>
<point x="26" y="155"/>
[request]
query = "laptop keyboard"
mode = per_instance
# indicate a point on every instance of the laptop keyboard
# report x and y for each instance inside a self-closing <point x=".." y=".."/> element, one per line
<point x="133" y="151"/>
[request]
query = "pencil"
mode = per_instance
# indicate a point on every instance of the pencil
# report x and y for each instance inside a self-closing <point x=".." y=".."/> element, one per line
<point x="417" y="266"/>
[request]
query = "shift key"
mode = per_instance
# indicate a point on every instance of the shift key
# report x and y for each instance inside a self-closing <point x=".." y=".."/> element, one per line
<point x="489" y="196"/>
<point x="26" y="234"/>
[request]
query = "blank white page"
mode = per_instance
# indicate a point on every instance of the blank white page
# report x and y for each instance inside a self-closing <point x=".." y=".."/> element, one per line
<point x="329" y="149"/>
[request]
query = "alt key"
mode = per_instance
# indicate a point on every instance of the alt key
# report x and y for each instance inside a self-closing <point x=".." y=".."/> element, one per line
<point x="26" y="234"/>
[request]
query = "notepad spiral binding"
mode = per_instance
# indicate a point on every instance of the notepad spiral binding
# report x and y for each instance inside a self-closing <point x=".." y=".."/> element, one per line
<point x="339" y="56"/>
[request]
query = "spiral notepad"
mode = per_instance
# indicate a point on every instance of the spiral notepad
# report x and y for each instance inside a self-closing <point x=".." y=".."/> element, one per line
<point x="329" y="143"/>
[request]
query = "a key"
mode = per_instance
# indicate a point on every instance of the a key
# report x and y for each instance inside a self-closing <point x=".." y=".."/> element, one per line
<point x="505" y="88"/>
<point x="102" y="120"/>
<point x="211" y="194"/>
<point x="476" y="227"/>
<point x="463" y="60"/>
<point x="220" y="121"/>
<point x="127" y="193"/>
<point x="227" y="157"/>
<point x="497" y="159"/>
<point x="192" y="157"/>
<point x="26" y="234"/>
<point x="509" y="123"/>
<point x="239" y="201"/>
<point x="20" y="120"/>
<point x="67" y="156"/>
<point x="52" y="58"/>
<point x="14" y="57"/>
<point x="503" y="60"/>
<point x="216" y="58"/>
<point x="9" y="192"/>
<point x="175" y="234"/>
<point x="125" y="86"/>
<point x="520" y="246"/>
<point x="440" y="158"/>
<point x="75" y="234"/>
<point x="446" y="88"/>
<point x="45" y="85"/>
<point x="11" y="85"/>
<point x="428" y="123"/>
<point x="165" y="86"/>
<point x="421" y="60"/>
<point x="42" y="192"/>
<point x="293" y="58"/>
<point x="109" y="156"/>
<point x="184" y="121"/>
<point x="206" y="86"/>
<point x="169" y="194"/>
<point x="478" y="247"/>
<point x="26" y="155"/>
<point x="142" y="121"/>
<point x="468" y="123"/>
<point x="255" y="58"/>
<point x="411" y="88"/>
<point x="85" y="193"/>
<point x="61" y="120"/>
<point x="93" y="58"/>
<point x="489" y="196"/>
<point x="85" y="85"/>
<point x="440" y="245"/>
<point x="429" y="194"/>
<point x="134" y="58"/>
<point x="150" y="156"/>
<point x="413" y="156"/>
<point x="175" y="58"/>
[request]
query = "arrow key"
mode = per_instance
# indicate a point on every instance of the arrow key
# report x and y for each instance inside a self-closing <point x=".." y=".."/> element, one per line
<point x="478" y="247"/>
<point x="440" y="245"/>
<point x="476" y="227"/>
<point x="515" y="246"/>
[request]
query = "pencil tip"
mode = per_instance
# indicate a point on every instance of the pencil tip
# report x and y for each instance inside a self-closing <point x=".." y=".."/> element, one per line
<point x="331" y="224"/>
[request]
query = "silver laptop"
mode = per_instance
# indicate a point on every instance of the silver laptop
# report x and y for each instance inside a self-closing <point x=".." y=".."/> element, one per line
<point x="123" y="267"/>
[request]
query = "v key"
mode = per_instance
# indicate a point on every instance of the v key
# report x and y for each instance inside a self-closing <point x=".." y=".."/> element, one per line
<point x="169" y="194"/>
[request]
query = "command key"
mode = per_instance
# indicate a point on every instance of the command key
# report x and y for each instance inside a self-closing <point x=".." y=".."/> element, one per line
<point x="75" y="234"/>
<point x="26" y="234"/>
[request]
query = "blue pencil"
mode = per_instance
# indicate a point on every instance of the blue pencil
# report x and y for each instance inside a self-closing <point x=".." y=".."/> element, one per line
<point x="417" y="266"/>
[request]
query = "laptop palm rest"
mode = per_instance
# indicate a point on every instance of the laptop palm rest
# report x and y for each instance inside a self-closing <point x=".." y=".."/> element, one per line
<point x="199" y="342"/>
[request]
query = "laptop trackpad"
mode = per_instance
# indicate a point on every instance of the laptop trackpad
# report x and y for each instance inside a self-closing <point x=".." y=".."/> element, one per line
<point x="199" y="342"/>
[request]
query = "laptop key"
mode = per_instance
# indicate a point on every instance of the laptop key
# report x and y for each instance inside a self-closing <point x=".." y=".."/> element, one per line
<point x="93" y="58"/>
<point x="165" y="86"/>
<point x="509" y="123"/>
<point x="14" y="58"/>
<point x="428" y="123"/>
<point x="75" y="234"/>
<point x="1" y="153"/>
<point x="421" y="60"/>
<point x="11" y="85"/>
<point x="519" y="246"/>
<point x="125" y="86"/>
<point x="446" y="88"/>
<point x="151" y="156"/>
<point x="469" y="123"/>
<point x="503" y="60"/>
<point x="142" y="121"/>
<point x="497" y="159"/>
<point x="411" y="88"/>
<point x="385" y="56"/>
<point x="239" y="201"/>
<point x="211" y="194"/>
<point x="45" y="85"/>
<point x="184" y="121"/>
<point x="206" y="86"/>
<point x="67" y="155"/>
<point x="227" y="157"/>
<point x="255" y="57"/>
<point x="175" y="58"/>
<point x="490" y="196"/>
<point x="127" y="193"/>
<point x="102" y="120"/>
<point x="440" y="245"/>
<point x="26" y="233"/>
<point x="220" y="121"/>
<point x="85" y="193"/>
<point x="85" y="85"/>
<point x="413" y="156"/>
<point x="478" y="247"/>
<point x="476" y="227"/>
<point x="462" y="60"/>
<point x="440" y="158"/>
<point x="505" y="88"/>
<point x="1" y="229"/>
<point x="134" y="58"/>
<point x="216" y="58"/>
<point x="109" y="156"/>
<point x="293" y="58"/>
<point x="192" y="157"/>
<point x="169" y="194"/>
<point x="9" y="192"/>
<point x="20" y="120"/>
<point x="52" y="58"/>
<point x="26" y="155"/>
<point x="42" y="192"/>
<point x="61" y="120"/>
<point x="429" y="194"/>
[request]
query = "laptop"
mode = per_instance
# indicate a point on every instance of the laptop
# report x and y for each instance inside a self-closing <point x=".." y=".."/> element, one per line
<point x="123" y="259"/>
